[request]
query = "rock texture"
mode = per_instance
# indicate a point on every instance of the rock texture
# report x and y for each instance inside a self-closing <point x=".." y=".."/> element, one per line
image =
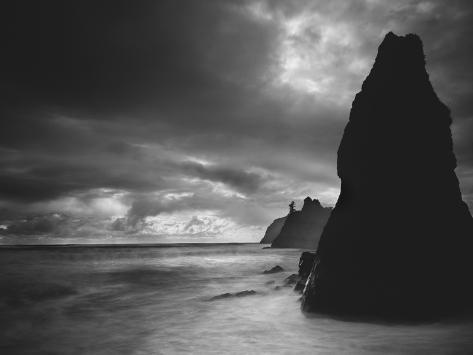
<point x="399" y="241"/>
<point x="306" y="263"/>
<point x="302" y="229"/>
<point x="273" y="230"/>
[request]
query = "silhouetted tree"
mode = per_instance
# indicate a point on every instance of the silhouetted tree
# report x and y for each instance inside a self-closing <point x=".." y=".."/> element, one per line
<point x="291" y="207"/>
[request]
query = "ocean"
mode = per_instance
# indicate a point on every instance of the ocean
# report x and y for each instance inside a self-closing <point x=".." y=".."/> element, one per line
<point x="160" y="300"/>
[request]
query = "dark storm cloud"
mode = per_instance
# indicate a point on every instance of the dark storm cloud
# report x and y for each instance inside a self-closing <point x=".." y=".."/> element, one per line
<point x="39" y="179"/>
<point x="132" y="96"/>
<point x="239" y="179"/>
<point x="114" y="56"/>
<point x="34" y="225"/>
<point x="42" y="178"/>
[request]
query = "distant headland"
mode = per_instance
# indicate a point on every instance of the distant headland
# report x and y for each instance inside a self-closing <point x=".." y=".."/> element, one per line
<point x="299" y="229"/>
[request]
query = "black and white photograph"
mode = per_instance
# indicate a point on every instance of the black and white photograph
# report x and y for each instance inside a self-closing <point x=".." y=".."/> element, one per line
<point x="236" y="177"/>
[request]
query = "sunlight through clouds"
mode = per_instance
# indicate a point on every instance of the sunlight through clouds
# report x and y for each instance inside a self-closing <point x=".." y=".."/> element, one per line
<point x="224" y="111"/>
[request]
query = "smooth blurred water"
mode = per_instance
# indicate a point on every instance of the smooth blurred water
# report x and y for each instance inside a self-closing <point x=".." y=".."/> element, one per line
<point x="155" y="300"/>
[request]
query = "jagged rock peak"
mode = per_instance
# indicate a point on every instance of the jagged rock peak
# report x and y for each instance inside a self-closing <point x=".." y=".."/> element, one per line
<point x="391" y="40"/>
<point x="399" y="59"/>
<point x="309" y="203"/>
<point x="408" y="48"/>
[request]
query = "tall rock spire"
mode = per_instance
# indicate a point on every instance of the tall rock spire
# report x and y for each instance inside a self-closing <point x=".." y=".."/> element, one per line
<point x="399" y="241"/>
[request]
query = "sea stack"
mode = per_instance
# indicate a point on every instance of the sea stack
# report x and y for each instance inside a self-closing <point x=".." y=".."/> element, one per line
<point x="399" y="240"/>
<point x="302" y="229"/>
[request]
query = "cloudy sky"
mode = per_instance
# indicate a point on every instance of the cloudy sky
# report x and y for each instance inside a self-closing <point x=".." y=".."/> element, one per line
<point x="159" y="121"/>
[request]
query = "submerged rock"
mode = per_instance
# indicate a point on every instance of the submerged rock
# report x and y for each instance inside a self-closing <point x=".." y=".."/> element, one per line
<point x="302" y="229"/>
<point x="273" y="230"/>
<point x="237" y="294"/>
<point x="245" y="293"/>
<point x="399" y="241"/>
<point x="223" y="295"/>
<point x="273" y="270"/>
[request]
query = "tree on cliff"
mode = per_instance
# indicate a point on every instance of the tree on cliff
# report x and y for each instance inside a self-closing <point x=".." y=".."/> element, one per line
<point x="292" y="207"/>
<point x="302" y="228"/>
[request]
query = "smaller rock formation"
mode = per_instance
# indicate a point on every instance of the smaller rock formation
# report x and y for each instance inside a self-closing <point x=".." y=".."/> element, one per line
<point x="237" y="294"/>
<point x="306" y="263"/>
<point x="298" y="280"/>
<point x="302" y="229"/>
<point x="245" y="293"/>
<point x="291" y="280"/>
<point x="274" y="270"/>
<point x="273" y="230"/>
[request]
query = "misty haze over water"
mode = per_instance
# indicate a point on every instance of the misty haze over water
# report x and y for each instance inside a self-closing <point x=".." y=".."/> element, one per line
<point x="156" y="300"/>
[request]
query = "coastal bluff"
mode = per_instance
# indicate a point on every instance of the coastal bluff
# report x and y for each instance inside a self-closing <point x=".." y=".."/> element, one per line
<point x="399" y="242"/>
<point x="273" y="230"/>
<point x="302" y="229"/>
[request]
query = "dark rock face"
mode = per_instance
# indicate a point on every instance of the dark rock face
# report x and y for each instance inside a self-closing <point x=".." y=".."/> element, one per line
<point x="302" y="229"/>
<point x="399" y="241"/>
<point x="306" y="263"/>
<point x="273" y="230"/>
